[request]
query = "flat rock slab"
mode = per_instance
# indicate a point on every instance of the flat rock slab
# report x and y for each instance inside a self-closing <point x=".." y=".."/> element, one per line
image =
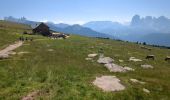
<point x="147" y="66"/>
<point x="4" y="56"/>
<point x="129" y="69"/>
<point x="121" y="60"/>
<point x="50" y="50"/>
<point x="88" y="58"/>
<point x="109" y="83"/>
<point x="146" y="90"/>
<point x="134" y="59"/>
<point x="116" y="68"/>
<point x="137" y="81"/>
<point x="92" y="55"/>
<point x="105" y="60"/>
<point x="23" y="52"/>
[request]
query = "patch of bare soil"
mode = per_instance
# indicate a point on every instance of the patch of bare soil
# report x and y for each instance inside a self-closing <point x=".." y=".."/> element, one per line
<point x="31" y="95"/>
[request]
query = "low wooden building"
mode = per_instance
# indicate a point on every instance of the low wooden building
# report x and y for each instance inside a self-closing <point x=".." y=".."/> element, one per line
<point x="42" y="29"/>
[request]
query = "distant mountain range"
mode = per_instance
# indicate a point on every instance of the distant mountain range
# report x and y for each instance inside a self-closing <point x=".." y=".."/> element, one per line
<point x="61" y="27"/>
<point x="147" y="29"/>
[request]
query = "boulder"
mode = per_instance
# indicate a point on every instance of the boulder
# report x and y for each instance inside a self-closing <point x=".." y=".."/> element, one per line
<point x="137" y="81"/>
<point x="134" y="59"/>
<point x="92" y="55"/>
<point x="4" y="56"/>
<point x="114" y="68"/>
<point x="147" y="66"/>
<point x="128" y="69"/>
<point x="121" y="60"/>
<point x="88" y="58"/>
<point x="108" y="83"/>
<point x="105" y="60"/>
<point x="146" y="90"/>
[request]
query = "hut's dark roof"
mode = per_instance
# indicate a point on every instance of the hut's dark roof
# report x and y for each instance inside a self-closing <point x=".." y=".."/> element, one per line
<point x="42" y="25"/>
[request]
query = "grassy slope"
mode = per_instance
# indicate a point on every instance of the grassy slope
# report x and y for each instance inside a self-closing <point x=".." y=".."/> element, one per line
<point x="8" y="32"/>
<point x="66" y="74"/>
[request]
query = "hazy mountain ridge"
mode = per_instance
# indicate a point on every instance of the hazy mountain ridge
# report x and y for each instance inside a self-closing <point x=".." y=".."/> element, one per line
<point x="139" y="29"/>
<point x="61" y="27"/>
<point x="147" y="29"/>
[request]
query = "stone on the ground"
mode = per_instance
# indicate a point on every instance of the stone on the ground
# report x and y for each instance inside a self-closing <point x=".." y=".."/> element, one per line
<point x="92" y="55"/>
<point x="12" y="53"/>
<point x="129" y="69"/>
<point x="146" y="90"/>
<point x="105" y="60"/>
<point x="114" y="68"/>
<point x="4" y="56"/>
<point x="121" y="60"/>
<point x="147" y="66"/>
<point x="88" y="58"/>
<point x="134" y="59"/>
<point x="92" y="47"/>
<point x="109" y="83"/>
<point x="137" y="81"/>
<point x="50" y="50"/>
<point x="22" y="52"/>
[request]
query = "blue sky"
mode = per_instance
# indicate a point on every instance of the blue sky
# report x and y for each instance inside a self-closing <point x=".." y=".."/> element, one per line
<point x="81" y="11"/>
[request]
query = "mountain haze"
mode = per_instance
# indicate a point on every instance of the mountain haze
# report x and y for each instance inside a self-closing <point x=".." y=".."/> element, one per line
<point x="61" y="27"/>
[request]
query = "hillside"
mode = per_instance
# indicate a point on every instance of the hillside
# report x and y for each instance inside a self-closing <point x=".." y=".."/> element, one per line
<point x="9" y="32"/>
<point x="59" y="70"/>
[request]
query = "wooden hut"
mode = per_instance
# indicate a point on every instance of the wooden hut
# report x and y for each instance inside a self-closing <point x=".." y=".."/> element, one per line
<point x="42" y="29"/>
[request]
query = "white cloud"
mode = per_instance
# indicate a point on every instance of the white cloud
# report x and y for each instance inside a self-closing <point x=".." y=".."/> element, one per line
<point x="71" y="22"/>
<point x="44" y="21"/>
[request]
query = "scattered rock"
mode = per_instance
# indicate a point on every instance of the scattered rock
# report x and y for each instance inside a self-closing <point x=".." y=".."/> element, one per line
<point x="137" y="81"/>
<point x="88" y="58"/>
<point x="92" y="55"/>
<point x="4" y="56"/>
<point x="12" y="53"/>
<point x="92" y="47"/>
<point x="128" y="69"/>
<point x="146" y="90"/>
<point x="121" y="60"/>
<point x="114" y="68"/>
<point x="109" y="83"/>
<point x="134" y="59"/>
<point x="105" y="60"/>
<point x="146" y="66"/>
<point x="23" y="52"/>
<point x="50" y="50"/>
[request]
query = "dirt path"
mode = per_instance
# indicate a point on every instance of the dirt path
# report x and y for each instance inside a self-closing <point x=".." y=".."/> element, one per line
<point x="5" y="52"/>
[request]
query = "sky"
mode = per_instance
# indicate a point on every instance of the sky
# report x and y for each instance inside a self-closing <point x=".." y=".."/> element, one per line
<point x="82" y="11"/>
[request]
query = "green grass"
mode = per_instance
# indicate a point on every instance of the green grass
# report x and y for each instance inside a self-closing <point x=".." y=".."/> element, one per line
<point x="9" y="32"/>
<point x="67" y="75"/>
